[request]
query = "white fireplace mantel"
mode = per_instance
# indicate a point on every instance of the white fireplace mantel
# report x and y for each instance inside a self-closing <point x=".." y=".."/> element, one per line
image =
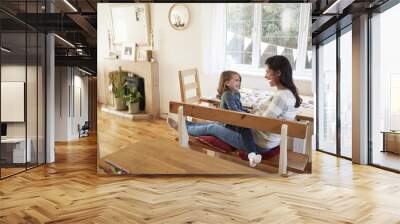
<point x="147" y="70"/>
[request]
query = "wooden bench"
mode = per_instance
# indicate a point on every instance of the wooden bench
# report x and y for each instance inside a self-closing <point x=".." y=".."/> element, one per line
<point x="285" y="128"/>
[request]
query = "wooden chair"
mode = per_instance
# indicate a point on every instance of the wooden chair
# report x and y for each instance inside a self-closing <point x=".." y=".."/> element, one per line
<point x="285" y="128"/>
<point x="193" y="84"/>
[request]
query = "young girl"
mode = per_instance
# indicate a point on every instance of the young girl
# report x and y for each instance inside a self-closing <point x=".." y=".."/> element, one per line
<point x="228" y="92"/>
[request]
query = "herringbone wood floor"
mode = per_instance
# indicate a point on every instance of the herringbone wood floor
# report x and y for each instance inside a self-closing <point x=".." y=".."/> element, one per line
<point x="70" y="191"/>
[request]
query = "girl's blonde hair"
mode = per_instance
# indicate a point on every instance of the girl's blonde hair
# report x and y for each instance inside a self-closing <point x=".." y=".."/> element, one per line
<point x="225" y="76"/>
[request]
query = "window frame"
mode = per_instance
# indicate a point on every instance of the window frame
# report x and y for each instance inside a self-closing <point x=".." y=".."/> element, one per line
<point x="299" y="72"/>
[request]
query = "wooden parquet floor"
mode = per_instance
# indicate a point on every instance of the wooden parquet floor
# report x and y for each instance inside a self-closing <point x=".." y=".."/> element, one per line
<point x="168" y="157"/>
<point x="70" y="191"/>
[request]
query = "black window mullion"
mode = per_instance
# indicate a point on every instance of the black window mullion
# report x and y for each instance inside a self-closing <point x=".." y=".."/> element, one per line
<point x="37" y="90"/>
<point x="317" y="96"/>
<point x="73" y="92"/>
<point x="45" y="93"/>
<point x="0" y="96"/>
<point x="338" y="94"/>
<point x="26" y="87"/>
<point x="369" y="80"/>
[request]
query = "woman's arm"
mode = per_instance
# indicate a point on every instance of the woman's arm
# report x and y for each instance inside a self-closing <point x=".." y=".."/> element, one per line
<point x="275" y="107"/>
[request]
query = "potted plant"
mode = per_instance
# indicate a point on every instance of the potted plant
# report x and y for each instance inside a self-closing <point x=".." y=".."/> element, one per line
<point x="132" y="99"/>
<point x="118" y="82"/>
<point x="119" y="100"/>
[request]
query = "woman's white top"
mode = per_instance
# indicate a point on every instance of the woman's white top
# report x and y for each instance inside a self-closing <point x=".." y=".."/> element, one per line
<point x="279" y="106"/>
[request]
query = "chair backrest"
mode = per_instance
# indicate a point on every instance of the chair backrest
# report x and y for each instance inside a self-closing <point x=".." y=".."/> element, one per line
<point x="86" y="125"/>
<point x="189" y="81"/>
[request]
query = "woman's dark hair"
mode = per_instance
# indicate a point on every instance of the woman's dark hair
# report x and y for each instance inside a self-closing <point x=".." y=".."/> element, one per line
<point x="279" y="63"/>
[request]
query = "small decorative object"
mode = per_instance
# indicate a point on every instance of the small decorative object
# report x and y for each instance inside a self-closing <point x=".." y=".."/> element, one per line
<point x="139" y="10"/>
<point x="143" y="55"/>
<point x="111" y="48"/>
<point x="128" y="52"/>
<point x="179" y="16"/>
<point x="132" y="99"/>
<point x="151" y="39"/>
<point x="110" y="44"/>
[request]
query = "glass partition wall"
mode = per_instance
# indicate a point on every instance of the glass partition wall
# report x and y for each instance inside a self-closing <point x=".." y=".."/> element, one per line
<point x="334" y="94"/>
<point x="13" y="85"/>
<point x="334" y="98"/>
<point x="345" y="65"/>
<point x="327" y="96"/>
<point x="22" y="77"/>
<point x="385" y="90"/>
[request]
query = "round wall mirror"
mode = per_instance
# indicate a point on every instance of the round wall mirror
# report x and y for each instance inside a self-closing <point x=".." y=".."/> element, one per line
<point x="179" y="16"/>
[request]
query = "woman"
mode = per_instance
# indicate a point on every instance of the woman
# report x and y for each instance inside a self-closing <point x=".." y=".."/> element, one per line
<point x="282" y="105"/>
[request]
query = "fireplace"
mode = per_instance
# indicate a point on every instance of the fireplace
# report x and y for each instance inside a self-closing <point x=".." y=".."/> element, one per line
<point x="136" y="81"/>
<point x="144" y="75"/>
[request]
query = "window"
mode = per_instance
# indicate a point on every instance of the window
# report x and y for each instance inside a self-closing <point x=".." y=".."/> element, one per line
<point x="327" y="94"/>
<point x="345" y="83"/>
<point x="239" y="31"/>
<point x="334" y="85"/>
<point x="385" y="88"/>
<point x="255" y="32"/>
<point x="394" y="101"/>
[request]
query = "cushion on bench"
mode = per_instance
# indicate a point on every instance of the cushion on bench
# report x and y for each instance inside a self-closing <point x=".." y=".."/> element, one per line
<point x="216" y="143"/>
<point x="221" y="146"/>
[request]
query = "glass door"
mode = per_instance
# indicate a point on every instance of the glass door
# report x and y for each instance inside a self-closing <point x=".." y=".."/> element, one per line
<point x="334" y="101"/>
<point x="385" y="90"/>
<point x="345" y="43"/>
<point x="326" y="124"/>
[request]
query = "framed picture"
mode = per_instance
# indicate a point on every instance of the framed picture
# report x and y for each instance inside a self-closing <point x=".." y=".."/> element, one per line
<point x="128" y="52"/>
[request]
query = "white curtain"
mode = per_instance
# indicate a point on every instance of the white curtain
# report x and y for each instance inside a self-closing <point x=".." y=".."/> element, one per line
<point x="213" y="36"/>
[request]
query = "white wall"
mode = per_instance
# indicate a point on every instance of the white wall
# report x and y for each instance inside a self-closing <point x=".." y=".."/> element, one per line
<point x="66" y="121"/>
<point x="15" y="73"/>
<point x="61" y="103"/>
<point x="174" y="50"/>
<point x="177" y="50"/>
<point x="104" y="21"/>
<point x="80" y="82"/>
